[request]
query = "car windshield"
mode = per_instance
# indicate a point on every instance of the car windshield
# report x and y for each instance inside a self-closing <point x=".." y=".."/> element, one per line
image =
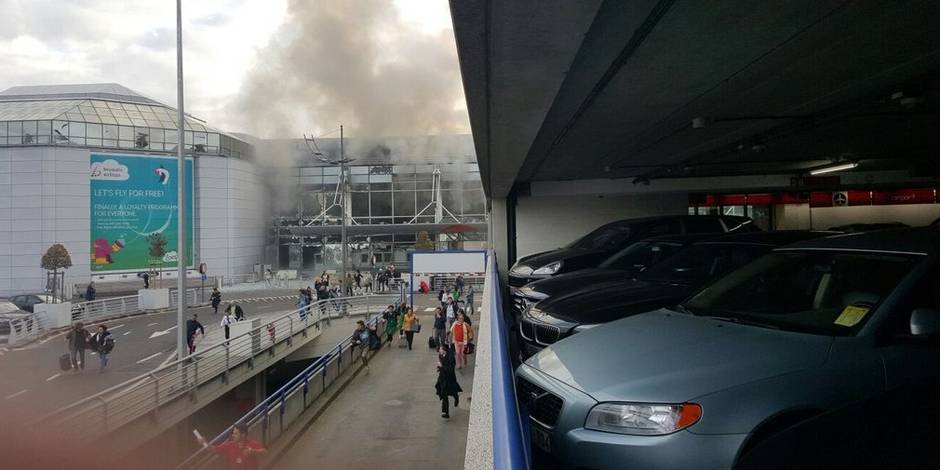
<point x="702" y="262"/>
<point x="607" y="237"/>
<point x="640" y="255"/>
<point x="821" y="292"/>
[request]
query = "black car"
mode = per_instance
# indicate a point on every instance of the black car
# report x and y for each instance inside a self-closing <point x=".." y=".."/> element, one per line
<point x="623" y="265"/>
<point x="662" y="285"/>
<point x="591" y="249"/>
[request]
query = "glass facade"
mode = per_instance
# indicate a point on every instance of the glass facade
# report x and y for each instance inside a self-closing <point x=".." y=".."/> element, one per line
<point x="110" y="124"/>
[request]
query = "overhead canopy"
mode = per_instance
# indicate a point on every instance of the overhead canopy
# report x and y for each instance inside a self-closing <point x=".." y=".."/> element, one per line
<point x="561" y="90"/>
<point x="384" y="229"/>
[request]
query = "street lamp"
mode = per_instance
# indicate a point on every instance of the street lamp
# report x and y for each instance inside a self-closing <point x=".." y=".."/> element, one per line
<point x="342" y="162"/>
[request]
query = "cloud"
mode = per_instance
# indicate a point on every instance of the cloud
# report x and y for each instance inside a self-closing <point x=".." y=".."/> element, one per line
<point x="109" y="170"/>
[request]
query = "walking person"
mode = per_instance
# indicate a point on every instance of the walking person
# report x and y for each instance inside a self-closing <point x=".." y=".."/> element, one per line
<point x="193" y="325"/>
<point x="391" y="318"/>
<point x="216" y="299"/>
<point x="103" y="344"/>
<point x="461" y="333"/>
<point x="446" y="385"/>
<point x="360" y="339"/>
<point x="469" y="303"/>
<point x="90" y="291"/>
<point x="302" y="304"/>
<point x="409" y="325"/>
<point x="440" y="327"/>
<point x="227" y="321"/>
<point x="450" y="313"/>
<point x="77" y="339"/>
<point x="240" y="451"/>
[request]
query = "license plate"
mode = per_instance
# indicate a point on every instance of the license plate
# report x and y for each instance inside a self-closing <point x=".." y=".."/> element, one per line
<point x="541" y="438"/>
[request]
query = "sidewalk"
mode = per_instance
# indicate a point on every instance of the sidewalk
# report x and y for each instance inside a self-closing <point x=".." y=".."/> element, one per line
<point x="389" y="418"/>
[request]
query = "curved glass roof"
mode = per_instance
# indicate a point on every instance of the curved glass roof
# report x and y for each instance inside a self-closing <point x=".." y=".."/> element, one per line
<point x="103" y="115"/>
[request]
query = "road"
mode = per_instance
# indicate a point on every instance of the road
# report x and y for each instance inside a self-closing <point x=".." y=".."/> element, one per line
<point x="31" y="383"/>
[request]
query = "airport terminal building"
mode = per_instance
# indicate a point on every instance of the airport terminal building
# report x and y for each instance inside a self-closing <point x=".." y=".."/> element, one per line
<point x="94" y="167"/>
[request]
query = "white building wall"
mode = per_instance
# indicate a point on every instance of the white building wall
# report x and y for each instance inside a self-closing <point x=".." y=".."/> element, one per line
<point x="548" y="222"/>
<point x="231" y="215"/>
<point x="45" y="199"/>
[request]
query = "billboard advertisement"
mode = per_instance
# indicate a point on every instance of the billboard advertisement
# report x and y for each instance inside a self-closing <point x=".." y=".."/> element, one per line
<point x="133" y="197"/>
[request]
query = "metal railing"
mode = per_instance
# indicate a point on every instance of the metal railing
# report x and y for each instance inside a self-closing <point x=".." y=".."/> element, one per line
<point x="99" y="310"/>
<point x="19" y="329"/>
<point x="133" y="399"/>
<point x="274" y="414"/>
<point x="192" y="297"/>
<point x="239" y="279"/>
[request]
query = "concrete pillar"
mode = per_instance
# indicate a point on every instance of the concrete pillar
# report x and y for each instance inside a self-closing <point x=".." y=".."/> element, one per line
<point x="498" y="236"/>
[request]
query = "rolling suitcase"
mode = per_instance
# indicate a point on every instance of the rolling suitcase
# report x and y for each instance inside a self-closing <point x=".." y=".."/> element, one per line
<point x="65" y="362"/>
<point x="432" y="343"/>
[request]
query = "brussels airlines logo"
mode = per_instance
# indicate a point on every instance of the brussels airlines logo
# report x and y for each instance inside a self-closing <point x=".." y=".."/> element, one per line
<point x="109" y="170"/>
<point x="163" y="175"/>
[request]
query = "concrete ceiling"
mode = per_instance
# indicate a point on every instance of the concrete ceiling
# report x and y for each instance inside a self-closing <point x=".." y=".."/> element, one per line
<point x="578" y="90"/>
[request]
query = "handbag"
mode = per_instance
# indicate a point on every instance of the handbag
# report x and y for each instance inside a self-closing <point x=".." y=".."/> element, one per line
<point x="416" y="327"/>
<point x="469" y="348"/>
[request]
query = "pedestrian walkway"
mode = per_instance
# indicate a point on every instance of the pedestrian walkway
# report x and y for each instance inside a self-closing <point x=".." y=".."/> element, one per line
<point x="388" y="418"/>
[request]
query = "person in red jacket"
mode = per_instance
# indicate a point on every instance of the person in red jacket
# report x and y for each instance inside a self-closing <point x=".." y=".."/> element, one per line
<point x="240" y="451"/>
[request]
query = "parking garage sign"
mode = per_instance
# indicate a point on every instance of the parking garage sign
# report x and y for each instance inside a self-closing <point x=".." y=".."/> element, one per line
<point x="133" y="197"/>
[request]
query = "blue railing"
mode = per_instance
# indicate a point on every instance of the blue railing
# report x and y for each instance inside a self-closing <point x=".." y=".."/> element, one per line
<point x="510" y="441"/>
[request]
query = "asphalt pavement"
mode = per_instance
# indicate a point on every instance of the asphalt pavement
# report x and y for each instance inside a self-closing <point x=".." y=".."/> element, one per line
<point x="31" y="383"/>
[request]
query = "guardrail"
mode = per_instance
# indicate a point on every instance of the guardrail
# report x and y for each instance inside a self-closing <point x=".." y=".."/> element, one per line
<point x="192" y="297"/>
<point x="498" y="428"/>
<point x="273" y="415"/>
<point x="16" y="330"/>
<point x="132" y="399"/>
<point x="103" y="309"/>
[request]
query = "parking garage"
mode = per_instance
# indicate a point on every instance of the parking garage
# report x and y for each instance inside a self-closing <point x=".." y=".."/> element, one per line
<point x="606" y="125"/>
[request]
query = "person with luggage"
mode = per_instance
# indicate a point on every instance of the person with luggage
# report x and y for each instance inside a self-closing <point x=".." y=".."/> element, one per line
<point x="240" y="451"/>
<point x="102" y="342"/>
<point x="77" y="339"/>
<point x="227" y="321"/>
<point x="302" y="304"/>
<point x="410" y="324"/>
<point x="440" y="327"/>
<point x="461" y="334"/>
<point x="216" y="299"/>
<point x="450" y="313"/>
<point x="193" y="325"/>
<point x="446" y="385"/>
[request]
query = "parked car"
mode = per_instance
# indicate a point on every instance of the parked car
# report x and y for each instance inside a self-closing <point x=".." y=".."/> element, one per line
<point x="806" y="329"/>
<point x="621" y="266"/>
<point x="662" y="285"/>
<point x="852" y="228"/>
<point x="606" y="240"/>
<point x="27" y="301"/>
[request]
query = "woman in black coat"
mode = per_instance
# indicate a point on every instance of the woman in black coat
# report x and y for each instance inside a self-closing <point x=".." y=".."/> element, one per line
<point x="447" y="385"/>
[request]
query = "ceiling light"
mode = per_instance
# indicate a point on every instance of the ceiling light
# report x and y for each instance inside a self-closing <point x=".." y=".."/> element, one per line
<point x="833" y="168"/>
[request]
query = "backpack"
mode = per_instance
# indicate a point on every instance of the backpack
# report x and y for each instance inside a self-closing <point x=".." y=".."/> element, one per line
<point x="108" y="345"/>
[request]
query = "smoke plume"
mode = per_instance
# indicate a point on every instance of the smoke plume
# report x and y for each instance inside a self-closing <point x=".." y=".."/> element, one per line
<point x="357" y="63"/>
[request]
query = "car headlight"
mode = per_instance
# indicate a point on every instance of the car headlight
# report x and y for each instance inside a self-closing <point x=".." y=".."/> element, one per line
<point x="532" y="293"/>
<point x="582" y="328"/>
<point x="550" y="268"/>
<point x="643" y="419"/>
<point x="521" y="270"/>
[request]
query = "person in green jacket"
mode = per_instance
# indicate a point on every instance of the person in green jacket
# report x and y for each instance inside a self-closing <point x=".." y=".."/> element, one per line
<point x="392" y="320"/>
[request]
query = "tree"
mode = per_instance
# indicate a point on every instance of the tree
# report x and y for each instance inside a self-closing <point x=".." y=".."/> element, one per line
<point x="157" y="251"/>
<point x="56" y="258"/>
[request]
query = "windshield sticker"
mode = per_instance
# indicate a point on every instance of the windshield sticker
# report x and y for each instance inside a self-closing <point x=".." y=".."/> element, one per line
<point x="851" y="315"/>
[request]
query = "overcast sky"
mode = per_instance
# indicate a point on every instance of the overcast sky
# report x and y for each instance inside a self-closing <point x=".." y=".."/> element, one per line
<point x="132" y="42"/>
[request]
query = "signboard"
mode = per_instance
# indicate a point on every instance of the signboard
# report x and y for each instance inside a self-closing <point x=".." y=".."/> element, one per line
<point x="133" y="197"/>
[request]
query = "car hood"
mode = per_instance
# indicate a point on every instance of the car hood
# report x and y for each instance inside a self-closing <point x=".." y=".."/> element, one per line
<point x="670" y="357"/>
<point x="541" y="259"/>
<point x="606" y="302"/>
<point x="575" y="281"/>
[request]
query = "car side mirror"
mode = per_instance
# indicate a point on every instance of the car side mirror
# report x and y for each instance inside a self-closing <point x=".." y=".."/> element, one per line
<point x="925" y="322"/>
